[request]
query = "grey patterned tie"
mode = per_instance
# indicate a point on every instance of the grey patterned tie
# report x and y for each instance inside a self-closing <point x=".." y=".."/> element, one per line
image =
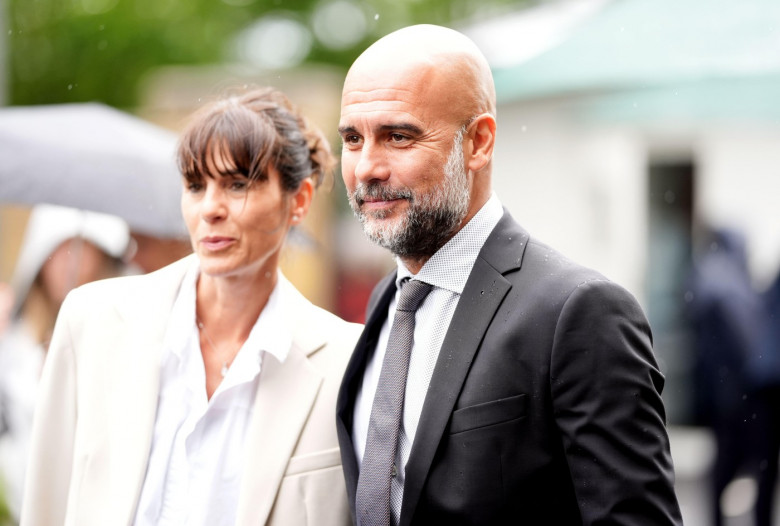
<point x="378" y="468"/>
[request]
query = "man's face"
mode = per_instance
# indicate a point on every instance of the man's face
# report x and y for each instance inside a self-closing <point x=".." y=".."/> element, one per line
<point x="403" y="161"/>
<point x="431" y="216"/>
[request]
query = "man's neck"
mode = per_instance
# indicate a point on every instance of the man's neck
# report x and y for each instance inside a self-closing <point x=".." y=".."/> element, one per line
<point x="414" y="264"/>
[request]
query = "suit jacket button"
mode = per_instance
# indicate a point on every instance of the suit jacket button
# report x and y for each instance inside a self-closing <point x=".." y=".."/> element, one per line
<point x="393" y="471"/>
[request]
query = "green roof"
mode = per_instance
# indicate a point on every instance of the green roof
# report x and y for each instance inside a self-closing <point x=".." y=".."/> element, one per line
<point x="676" y="52"/>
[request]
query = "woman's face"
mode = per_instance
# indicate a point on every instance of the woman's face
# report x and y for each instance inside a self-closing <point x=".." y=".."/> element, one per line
<point x="237" y="226"/>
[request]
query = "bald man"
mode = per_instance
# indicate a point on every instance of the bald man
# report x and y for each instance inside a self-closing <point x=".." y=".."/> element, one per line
<point x="532" y="395"/>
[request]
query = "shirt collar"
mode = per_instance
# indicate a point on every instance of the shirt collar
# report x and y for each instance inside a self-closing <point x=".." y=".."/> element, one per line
<point x="450" y="266"/>
<point x="272" y="332"/>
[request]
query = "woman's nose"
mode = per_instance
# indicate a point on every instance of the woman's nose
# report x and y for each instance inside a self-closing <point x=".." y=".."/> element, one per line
<point x="213" y="204"/>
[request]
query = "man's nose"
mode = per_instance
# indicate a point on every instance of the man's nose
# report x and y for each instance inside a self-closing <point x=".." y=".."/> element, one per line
<point x="373" y="164"/>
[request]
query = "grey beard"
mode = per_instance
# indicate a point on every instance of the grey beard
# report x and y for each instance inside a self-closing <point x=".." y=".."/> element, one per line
<point x="431" y="219"/>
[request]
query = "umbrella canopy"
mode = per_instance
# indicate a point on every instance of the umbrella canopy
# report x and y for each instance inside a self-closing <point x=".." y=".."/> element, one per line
<point x="93" y="157"/>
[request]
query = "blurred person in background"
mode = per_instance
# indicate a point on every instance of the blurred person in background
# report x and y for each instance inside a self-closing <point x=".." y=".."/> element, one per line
<point x="726" y="316"/>
<point x="150" y="253"/>
<point x="533" y="396"/>
<point x="764" y="374"/>
<point x="62" y="248"/>
<point x="203" y="393"/>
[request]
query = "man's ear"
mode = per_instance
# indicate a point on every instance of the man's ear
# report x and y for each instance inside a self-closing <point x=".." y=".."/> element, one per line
<point x="482" y="134"/>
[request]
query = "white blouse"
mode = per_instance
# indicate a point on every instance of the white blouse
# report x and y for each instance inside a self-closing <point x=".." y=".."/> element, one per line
<point x="198" y="447"/>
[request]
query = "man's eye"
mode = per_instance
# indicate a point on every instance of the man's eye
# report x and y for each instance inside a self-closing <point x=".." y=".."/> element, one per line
<point x="352" y="139"/>
<point x="397" y="137"/>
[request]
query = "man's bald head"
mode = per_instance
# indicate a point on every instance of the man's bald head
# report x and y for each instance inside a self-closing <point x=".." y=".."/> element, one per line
<point x="449" y="59"/>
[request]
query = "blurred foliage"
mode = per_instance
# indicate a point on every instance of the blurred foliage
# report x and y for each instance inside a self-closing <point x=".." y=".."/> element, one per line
<point x="5" y="514"/>
<point x="98" y="50"/>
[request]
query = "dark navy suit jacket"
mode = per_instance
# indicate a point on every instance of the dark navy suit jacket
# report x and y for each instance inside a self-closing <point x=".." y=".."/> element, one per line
<point x="545" y="404"/>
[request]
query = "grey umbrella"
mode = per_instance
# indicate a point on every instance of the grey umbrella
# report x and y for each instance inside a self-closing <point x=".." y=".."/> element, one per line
<point x="93" y="157"/>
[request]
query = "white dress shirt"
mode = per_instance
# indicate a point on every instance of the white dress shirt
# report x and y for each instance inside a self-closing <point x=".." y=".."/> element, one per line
<point x="447" y="270"/>
<point x="198" y="450"/>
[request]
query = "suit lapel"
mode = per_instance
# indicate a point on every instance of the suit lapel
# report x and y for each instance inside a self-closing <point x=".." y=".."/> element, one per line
<point x="135" y="373"/>
<point x="482" y="295"/>
<point x="352" y="380"/>
<point x="285" y="396"/>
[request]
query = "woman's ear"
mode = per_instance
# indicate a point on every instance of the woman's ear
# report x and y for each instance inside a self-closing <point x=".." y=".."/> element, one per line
<point x="301" y="200"/>
<point x="482" y="134"/>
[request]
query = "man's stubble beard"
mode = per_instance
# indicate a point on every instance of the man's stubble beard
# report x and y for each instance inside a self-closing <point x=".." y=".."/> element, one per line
<point x="430" y="220"/>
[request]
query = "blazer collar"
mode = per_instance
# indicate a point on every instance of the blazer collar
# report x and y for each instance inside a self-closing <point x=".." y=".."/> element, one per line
<point x="285" y="396"/>
<point x="505" y="247"/>
<point x="377" y="310"/>
<point x="485" y="290"/>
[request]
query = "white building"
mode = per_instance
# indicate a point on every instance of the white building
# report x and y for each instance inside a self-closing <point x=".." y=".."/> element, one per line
<point x="626" y="125"/>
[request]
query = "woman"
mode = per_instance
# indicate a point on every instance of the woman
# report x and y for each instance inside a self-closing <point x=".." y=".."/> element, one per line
<point x="203" y="393"/>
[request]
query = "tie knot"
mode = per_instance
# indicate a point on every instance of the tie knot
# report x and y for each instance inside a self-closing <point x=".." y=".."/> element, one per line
<point x="413" y="292"/>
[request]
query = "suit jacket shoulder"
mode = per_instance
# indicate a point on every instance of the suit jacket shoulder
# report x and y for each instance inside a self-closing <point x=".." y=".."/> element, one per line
<point x="550" y="363"/>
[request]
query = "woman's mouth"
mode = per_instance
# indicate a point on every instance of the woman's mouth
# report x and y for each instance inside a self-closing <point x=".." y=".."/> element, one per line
<point x="216" y="243"/>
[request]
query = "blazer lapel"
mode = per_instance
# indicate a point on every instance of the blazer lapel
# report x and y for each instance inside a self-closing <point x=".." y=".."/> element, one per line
<point x="285" y="395"/>
<point x="482" y="295"/>
<point x="351" y="382"/>
<point x="138" y="343"/>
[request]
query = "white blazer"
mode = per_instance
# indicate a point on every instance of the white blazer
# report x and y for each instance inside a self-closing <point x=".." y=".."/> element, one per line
<point x="98" y="396"/>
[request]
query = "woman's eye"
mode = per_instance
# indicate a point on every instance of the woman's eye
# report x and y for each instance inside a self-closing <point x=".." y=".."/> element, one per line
<point x="194" y="187"/>
<point x="238" y="186"/>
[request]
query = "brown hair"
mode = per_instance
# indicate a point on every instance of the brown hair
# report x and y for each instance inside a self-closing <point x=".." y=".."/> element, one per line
<point x="253" y="131"/>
